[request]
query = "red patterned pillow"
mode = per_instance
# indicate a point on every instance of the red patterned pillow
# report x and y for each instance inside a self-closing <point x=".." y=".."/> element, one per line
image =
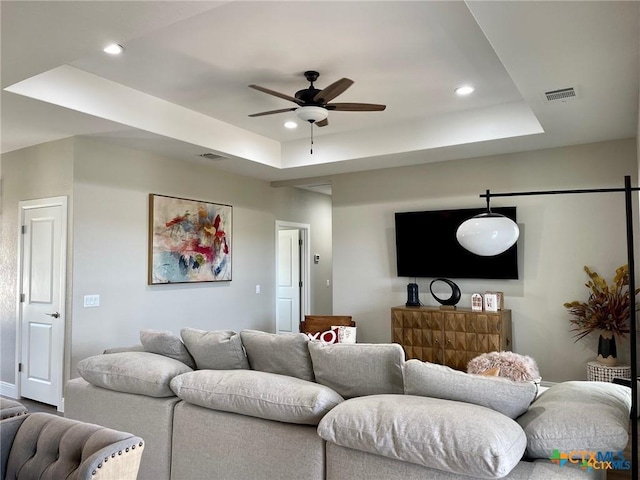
<point x="328" y="337"/>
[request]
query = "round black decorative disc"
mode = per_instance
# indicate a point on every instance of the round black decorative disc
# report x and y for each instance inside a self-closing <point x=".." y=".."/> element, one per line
<point x="455" y="292"/>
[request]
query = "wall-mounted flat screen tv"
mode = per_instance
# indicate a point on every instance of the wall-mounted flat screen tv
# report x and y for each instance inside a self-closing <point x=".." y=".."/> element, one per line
<point x="426" y="246"/>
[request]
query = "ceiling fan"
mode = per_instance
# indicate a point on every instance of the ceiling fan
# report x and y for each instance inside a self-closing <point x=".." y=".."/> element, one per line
<point x="313" y="104"/>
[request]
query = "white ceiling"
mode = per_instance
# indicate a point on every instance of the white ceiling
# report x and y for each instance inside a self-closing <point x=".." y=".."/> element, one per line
<point x="181" y="86"/>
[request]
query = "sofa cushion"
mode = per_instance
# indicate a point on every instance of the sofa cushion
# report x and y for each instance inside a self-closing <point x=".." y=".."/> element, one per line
<point x="284" y="354"/>
<point x="500" y="394"/>
<point x="257" y="394"/>
<point x="167" y="344"/>
<point x="141" y="373"/>
<point x="576" y="415"/>
<point x="216" y="350"/>
<point x="354" y="370"/>
<point x="455" y="437"/>
<point x="130" y="348"/>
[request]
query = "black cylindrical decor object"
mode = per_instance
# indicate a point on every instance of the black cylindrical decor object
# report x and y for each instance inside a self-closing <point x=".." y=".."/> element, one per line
<point x="413" y="300"/>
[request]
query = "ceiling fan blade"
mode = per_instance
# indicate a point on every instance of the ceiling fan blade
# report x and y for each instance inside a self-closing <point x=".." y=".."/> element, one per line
<point x="322" y="123"/>
<point x="271" y="112"/>
<point x="332" y="91"/>
<point x="356" y="107"/>
<point x="276" y="94"/>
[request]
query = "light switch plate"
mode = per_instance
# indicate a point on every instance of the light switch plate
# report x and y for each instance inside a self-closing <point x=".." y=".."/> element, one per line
<point x="91" y="301"/>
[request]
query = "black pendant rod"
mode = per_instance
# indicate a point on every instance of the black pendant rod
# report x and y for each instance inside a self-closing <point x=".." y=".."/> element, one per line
<point x="627" y="190"/>
<point x="633" y="327"/>
<point x="556" y="192"/>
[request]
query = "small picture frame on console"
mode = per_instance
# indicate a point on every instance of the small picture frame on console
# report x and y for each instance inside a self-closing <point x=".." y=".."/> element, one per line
<point x="476" y="302"/>
<point x="491" y="302"/>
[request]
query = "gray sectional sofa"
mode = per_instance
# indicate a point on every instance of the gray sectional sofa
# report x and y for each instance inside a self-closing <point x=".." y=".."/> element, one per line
<point x="253" y="405"/>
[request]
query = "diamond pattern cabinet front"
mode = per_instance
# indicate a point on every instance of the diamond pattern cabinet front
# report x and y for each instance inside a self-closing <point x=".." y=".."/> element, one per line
<point x="450" y="337"/>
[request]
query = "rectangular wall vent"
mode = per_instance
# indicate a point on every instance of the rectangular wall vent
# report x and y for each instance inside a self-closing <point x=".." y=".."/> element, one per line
<point x="561" y="94"/>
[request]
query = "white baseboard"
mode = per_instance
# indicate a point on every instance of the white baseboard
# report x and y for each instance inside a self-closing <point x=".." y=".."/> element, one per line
<point x="8" y="390"/>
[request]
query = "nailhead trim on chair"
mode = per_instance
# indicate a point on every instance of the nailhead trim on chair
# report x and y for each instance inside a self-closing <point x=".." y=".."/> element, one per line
<point x="113" y="455"/>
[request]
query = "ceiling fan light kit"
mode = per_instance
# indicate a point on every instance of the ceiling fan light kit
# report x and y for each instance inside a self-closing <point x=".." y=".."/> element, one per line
<point x="312" y="114"/>
<point x="313" y="104"/>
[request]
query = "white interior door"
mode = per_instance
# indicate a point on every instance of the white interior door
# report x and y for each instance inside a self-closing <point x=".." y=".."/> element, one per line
<point x="288" y="282"/>
<point x="42" y="297"/>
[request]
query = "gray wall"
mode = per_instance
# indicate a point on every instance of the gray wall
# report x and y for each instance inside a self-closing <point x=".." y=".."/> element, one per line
<point x="109" y="185"/>
<point x="37" y="172"/>
<point x="560" y="234"/>
<point x="300" y="206"/>
<point x="109" y="188"/>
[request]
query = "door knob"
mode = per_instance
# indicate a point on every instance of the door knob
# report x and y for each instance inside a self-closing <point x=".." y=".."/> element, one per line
<point x="54" y="315"/>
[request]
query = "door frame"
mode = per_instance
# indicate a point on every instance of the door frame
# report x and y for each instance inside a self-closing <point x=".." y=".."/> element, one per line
<point x="305" y="265"/>
<point x="24" y="205"/>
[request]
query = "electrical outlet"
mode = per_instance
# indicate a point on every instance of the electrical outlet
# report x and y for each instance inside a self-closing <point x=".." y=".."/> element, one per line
<point x="257" y="288"/>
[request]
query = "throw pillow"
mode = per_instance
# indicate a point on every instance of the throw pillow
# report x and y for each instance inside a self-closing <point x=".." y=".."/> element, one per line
<point x="216" y="349"/>
<point x="346" y="334"/>
<point x="257" y="394"/>
<point x="500" y="394"/>
<point x="354" y="370"/>
<point x="516" y="367"/>
<point x="330" y="336"/>
<point x="285" y="354"/>
<point x="448" y="436"/>
<point x="577" y="415"/>
<point x="141" y="373"/>
<point x="167" y="344"/>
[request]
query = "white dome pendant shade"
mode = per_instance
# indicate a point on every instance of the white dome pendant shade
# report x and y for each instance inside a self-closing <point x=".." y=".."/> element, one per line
<point x="488" y="234"/>
<point x="312" y="114"/>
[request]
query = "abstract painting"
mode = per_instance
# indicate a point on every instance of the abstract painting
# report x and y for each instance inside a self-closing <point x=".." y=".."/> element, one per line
<point x="189" y="240"/>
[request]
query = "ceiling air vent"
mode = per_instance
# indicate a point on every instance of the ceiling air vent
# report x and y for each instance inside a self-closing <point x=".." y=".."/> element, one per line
<point x="211" y="156"/>
<point x="562" y="94"/>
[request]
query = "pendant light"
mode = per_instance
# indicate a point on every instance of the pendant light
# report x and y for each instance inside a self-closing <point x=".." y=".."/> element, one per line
<point x="488" y="234"/>
<point x="312" y="114"/>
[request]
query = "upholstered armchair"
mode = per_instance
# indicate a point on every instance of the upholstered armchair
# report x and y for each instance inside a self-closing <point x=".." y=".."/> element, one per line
<point x="11" y="408"/>
<point x="47" y="447"/>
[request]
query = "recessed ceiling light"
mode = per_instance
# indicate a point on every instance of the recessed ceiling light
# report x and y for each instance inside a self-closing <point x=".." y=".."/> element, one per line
<point x="464" y="90"/>
<point x="290" y="125"/>
<point x="113" y="49"/>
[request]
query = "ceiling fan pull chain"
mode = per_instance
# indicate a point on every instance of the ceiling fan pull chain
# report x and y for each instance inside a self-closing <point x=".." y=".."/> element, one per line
<point x="311" y="123"/>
